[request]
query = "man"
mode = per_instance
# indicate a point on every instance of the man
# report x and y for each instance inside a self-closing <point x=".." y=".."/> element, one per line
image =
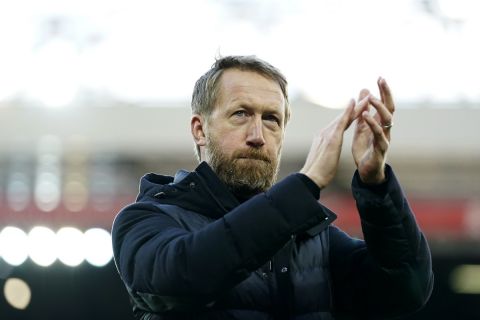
<point x="227" y="242"/>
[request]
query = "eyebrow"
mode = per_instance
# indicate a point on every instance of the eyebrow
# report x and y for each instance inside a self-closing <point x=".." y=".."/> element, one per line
<point x="265" y="109"/>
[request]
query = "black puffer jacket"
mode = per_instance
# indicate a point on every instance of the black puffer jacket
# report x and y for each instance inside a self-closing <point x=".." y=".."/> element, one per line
<point x="187" y="249"/>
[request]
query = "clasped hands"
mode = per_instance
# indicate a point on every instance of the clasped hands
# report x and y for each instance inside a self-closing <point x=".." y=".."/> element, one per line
<point x="370" y="140"/>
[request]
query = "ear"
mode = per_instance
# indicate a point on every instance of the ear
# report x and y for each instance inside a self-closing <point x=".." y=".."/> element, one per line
<point x="197" y="128"/>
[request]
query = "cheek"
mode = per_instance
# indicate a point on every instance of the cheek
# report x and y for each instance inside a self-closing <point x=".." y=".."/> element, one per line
<point x="276" y="142"/>
<point x="229" y="141"/>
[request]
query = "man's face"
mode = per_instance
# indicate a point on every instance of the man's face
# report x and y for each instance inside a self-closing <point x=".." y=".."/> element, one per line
<point x="245" y="131"/>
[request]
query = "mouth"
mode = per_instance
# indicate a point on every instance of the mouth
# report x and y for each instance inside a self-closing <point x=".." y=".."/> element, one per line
<point x="253" y="155"/>
<point x="256" y="158"/>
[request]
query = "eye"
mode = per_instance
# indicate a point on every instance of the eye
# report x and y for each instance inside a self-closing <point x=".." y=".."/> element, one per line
<point x="273" y="118"/>
<point x="240" y="113"/>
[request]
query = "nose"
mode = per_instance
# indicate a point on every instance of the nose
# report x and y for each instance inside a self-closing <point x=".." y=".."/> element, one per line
<point x="255" y="136"/>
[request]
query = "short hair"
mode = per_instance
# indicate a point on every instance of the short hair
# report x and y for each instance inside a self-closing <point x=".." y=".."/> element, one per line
<point x="205" y="92"/>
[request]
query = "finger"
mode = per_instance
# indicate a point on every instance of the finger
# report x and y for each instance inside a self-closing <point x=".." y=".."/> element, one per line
<point x="382" y="94"/>
<point x="342" y="121"/>
<point x="378" y="133"/>
<point x="363" y="93"/>
<point x="386" y="94"/>
<point x="384" y="114"/>
<point x="361" y="106"/>
<point x="348" y="115"/>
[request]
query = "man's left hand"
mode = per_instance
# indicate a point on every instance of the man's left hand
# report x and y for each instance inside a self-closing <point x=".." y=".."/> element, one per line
<point x="372" y="135"/>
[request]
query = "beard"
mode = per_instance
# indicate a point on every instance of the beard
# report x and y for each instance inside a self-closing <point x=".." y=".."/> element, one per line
<point x="246" y="172"/>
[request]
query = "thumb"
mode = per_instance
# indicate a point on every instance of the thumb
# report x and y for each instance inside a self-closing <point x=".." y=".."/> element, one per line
<point x="348" y="115"/>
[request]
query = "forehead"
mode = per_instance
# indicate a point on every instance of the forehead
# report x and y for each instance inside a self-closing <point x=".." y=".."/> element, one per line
<point x="249" y="87"/>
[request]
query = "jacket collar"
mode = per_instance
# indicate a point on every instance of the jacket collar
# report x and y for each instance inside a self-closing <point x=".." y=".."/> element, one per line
<point x="199" y="191"/>
<point x="216" y="187"/>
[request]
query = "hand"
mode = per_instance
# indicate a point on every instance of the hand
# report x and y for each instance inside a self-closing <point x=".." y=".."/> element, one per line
<point x="322" y="160"/>
<point x="372" y="134"/>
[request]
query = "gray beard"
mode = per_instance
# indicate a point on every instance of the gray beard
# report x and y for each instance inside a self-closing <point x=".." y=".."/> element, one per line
<point x="247" y="173"/>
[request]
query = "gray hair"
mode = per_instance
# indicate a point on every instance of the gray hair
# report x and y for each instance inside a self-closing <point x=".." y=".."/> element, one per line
<point x="206" y="88"/>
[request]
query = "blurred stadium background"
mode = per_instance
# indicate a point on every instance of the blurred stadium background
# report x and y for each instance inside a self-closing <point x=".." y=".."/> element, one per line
<point x="93" y="94"/>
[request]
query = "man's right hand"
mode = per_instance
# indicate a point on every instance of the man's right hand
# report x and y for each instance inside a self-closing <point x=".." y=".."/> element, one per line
<point x="322" y="160"/>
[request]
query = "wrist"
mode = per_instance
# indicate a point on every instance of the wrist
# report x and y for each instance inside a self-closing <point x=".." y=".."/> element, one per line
<point x="319" y="181"/>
